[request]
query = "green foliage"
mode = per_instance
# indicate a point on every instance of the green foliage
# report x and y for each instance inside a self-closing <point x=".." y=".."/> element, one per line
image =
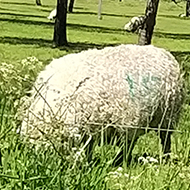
<point x="16" y="80"/>
<point x="148" y="144"/>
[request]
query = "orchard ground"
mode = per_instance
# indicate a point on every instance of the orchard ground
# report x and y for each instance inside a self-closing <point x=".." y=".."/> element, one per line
<point x="25" y="31"/>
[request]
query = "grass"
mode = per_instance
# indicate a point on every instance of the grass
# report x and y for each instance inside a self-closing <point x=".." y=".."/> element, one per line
<point x="24" y="27"/>
<point x="26" y="32"/>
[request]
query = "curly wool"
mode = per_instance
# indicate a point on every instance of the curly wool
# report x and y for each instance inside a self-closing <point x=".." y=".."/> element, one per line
<point x="135" y="24"/>
<point x="124" y="85"/>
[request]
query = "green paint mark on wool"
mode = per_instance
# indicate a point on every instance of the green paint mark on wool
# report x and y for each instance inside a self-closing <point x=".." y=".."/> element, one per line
<point x="131" y="85"/>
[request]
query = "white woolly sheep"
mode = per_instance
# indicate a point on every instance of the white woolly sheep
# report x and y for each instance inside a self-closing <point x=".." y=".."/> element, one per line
<point x="53" y="14"/>
<point x="130" y="87"/>
<point x="182" y="15"/>
<point x="134" y="24"/>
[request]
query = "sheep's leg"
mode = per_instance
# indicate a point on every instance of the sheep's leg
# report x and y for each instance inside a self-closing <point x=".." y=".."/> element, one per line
<point x="89" y="147"/>
<point x="166" y="142"/>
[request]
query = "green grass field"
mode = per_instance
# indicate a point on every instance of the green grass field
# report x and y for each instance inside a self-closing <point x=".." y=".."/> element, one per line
<point x="25" y="32"/>
<point x="24" y="27"/>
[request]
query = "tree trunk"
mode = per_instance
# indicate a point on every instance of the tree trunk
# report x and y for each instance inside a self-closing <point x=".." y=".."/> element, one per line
<point x="38" y="2"/>
<point x="150" y="21"/>
<point x="188" y="8"/>
<point x="71" y="4"/>
<point x="0" y="158"/>
<point x="60" y="35"/>
<point x="100" y="10"/>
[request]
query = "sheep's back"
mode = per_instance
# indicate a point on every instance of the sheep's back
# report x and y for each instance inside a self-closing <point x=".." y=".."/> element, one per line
<point x="122" y="85"/>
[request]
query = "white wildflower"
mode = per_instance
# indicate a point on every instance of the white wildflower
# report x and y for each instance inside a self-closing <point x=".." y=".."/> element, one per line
<point x="152" y="160"/>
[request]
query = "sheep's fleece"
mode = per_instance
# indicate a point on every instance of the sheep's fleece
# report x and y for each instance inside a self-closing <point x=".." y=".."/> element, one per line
<point x="122" y="85"/>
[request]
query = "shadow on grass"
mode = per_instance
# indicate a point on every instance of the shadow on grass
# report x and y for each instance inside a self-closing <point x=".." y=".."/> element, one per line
<point x="80" y="8"/>
<point x="169" y="16"/>
<point x="80" y="27"/>
<point x="5" y="9"/>
<point x="172" y="35"/>
<point x="175" y="17"/>
<point x="95" y="13"/>
<point x="71" y="46"/>
<point x="24" y="4"/>
<point x="22" y="15"/>
<point x="16" y="3"/>
<point x="29" y="22"/>
<point x="77" y="46"/>
<point x="76" y="12"/>
<point x="88" y="28"/>
<point x="98" y="29"/>
<point x="181" y="55"/>
<point x="47" y="10"/>
<point x="13" y="9"/>
<point x="25" y="41"/>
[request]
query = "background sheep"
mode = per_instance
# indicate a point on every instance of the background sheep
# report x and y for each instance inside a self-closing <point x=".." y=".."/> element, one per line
<point x="128" y="87"/>
<point x="135" y="24"/>
<point x="182" y="15"/>
<point x="53" y="14"/>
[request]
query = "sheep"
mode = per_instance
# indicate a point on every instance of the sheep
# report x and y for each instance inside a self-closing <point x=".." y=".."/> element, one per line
<point x="135" y="24"/>
<point x="182" y="15"/>
<point x="128" y="87"/>
<point x="53" y="14"/>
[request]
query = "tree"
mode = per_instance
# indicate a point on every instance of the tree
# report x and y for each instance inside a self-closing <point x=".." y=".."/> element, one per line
<point x="60" y="36"/>
<point x="71" y="4"/>
<point x="150" y="21"/>
<point x="188" y="8"/>
<point x="100" y="10"/>
<point x="38" y="2"/>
